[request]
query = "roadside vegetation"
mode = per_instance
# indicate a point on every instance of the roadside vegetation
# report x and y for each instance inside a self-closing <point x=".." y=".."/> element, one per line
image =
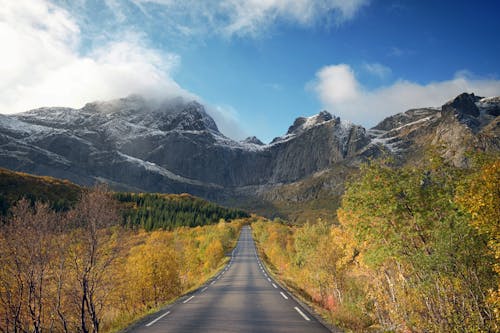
<point x="416" y="249"/>
<point x="81" y="270"/>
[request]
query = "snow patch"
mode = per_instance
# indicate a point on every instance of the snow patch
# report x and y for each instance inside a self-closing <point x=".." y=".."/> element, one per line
<point x="150" y="166"/>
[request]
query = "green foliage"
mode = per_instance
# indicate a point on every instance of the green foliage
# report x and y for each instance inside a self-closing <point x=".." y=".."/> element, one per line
<point x="416" y="250"/>
<point x="167" y="211"/>
<point x="431" y="269"/>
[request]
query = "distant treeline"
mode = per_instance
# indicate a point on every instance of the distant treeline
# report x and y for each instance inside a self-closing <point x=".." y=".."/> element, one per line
<point x="167" y="211"/>
<point x="139" y="210"/>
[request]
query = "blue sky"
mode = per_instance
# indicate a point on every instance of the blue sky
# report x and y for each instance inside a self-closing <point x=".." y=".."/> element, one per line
<point x="256" y="64"/>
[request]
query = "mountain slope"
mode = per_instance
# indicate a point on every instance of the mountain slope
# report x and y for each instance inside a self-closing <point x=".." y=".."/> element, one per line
<point x="176" y="147"/>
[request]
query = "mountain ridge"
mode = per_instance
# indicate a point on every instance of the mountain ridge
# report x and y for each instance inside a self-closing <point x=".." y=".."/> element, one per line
<point x="176" y="146"/>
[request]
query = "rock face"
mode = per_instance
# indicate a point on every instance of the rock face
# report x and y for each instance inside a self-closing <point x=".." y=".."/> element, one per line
<point x="176" y="146"/>
<point x="464" y="123"/>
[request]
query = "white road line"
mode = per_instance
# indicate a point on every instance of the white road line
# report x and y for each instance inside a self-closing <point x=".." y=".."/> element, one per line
<point x="154" y="321"/>
<point x="302" y="314"/>
<point x="204" y="289"/>
<point x="212" y="282"/>
<point x="268" y="279"/>
<point x="190" y="298"/>
<point x="284" y="296"/>
<point x="275" y="286"/>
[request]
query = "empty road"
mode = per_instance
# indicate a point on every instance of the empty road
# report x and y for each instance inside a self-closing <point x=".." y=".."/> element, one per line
<point x="241" y="298"/>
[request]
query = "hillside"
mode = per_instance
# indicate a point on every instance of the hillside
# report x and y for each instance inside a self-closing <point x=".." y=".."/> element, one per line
<point x="177" y="148"/>
<point x="60" y="194"/>
<point x="139" y="210"/>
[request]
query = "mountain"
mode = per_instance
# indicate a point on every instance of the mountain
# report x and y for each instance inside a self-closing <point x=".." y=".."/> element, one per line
<point x="176" y="147"/>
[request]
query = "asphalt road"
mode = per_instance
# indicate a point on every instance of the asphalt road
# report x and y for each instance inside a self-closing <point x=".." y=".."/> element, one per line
<point x="241" y="298"/>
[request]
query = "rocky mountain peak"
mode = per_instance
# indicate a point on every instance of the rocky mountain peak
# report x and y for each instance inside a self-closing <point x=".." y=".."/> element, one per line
<point x="302" y="123"/>
<point x="190" y="117"/>
<point x="253" y="140"/>
<point x="463" y="104"/>
<point x="468" y="109"/>
<point x="129" y="103"/>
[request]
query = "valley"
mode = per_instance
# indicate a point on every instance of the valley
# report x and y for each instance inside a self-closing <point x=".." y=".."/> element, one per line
<point x="176" y="147"/>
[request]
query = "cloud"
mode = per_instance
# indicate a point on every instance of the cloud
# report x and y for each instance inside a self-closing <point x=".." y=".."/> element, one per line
<point x="336" y="84"/>
<point x="377" y="70"/>
<point x="227" y="119"/>
<point x="340" y="92"/>
<point x="41" y="64"/>
<point x="252" y="17"/>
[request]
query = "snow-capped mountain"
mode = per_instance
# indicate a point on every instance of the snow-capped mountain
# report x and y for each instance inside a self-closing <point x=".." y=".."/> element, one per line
<point x="176" y="146"/>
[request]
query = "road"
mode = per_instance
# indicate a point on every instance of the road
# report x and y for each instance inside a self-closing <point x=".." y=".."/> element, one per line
<point x="241" y="298"/>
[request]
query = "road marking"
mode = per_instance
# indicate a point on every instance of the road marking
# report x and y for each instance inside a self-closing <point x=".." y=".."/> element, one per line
<point x="190" y="298"/>
<point x="204" y="289"/>
<point x="268" y="279"/>
<point x="284" y="296"/>
<point x="212" y="282"/>
<point x="302" y="314"/>
<point x="154" y="321"/>
<point x="275" y="286"/>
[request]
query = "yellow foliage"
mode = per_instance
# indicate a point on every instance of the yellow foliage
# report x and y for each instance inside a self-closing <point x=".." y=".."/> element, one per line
<point x="214" y="253"/>
<point x="480" y="197"/>
<point x="125" y="272"/>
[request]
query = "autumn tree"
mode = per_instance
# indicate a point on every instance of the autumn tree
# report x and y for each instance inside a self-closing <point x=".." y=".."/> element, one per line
<point x="153" y="271"/>
<point x="430" y="267"/>
<point x="92" y="251"/>
<point x="479" y="196"/>
<point x="26" y="243"/>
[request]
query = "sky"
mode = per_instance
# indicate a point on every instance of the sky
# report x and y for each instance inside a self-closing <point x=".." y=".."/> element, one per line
<point x="256" y="64"/>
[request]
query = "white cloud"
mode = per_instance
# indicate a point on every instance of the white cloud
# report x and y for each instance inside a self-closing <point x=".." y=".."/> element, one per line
<point x="227" y="119"/>
<point x="40" y="64"/>
<point x="377" y="69"/>
<point x="336" y="84"/>
<point x="252" y="17"/>
<point x="342" y="94"/>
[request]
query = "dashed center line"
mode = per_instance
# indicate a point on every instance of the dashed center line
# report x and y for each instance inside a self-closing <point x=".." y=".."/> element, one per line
<point x="302" y="314"/>
<point x="204" y="289"/>
<point x="275" y="286"/>
<point x="190" y="298"/>
<point x="284" y="296"/>
<point x="154" y="321"/>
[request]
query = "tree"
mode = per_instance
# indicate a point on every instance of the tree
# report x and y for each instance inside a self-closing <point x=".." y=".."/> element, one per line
<point x="92" y="251"/>
<point x="26" y="244"/>
<point x="423" y="252"/>
<point x="479" y="196"/>
<point x="153" y="271"/>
